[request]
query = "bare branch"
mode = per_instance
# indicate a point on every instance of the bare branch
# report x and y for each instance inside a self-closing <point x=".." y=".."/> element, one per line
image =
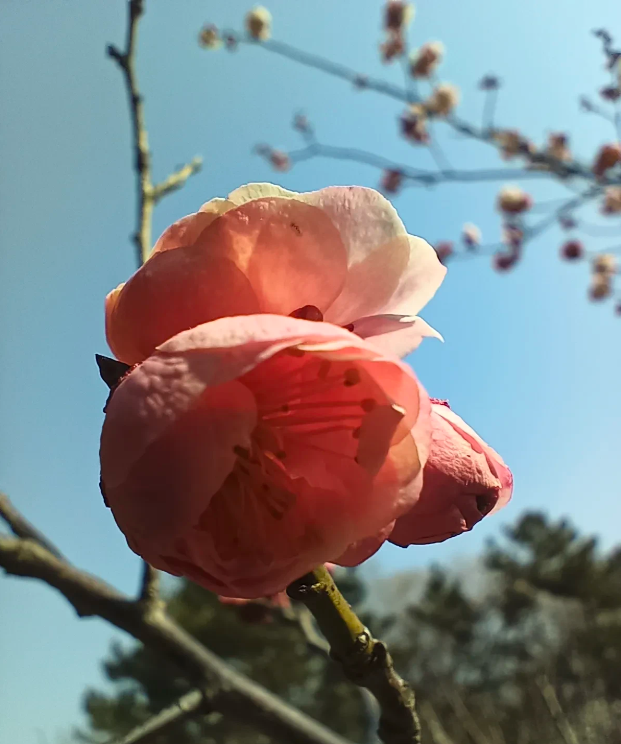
<point x="147" y="194"/>
<point x="416" y="175"/>
<point x="483" y="134"/>
<point x="365" y="660"/>
<point x="176" y="179"/>
<point x="149" y="586"/>
<point x="228" y="691"/>
<point x="126" y="60"/>
<point x="21" y="527"/>
<point x="190" y="705"/>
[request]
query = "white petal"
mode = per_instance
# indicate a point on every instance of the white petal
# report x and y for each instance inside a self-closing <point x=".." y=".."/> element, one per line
<point x="395" y="334"/>
<point x="252" y="191"/>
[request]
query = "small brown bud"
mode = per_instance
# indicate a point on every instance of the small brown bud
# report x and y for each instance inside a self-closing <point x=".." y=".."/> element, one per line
<point x="572" y="250"/>
<point x="392" y="181"/>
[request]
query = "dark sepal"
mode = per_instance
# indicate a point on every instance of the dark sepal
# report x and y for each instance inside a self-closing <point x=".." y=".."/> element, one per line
<point x="111" y="370"/>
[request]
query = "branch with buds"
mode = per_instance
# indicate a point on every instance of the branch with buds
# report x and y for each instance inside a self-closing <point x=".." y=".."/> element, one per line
<point x="598" y="182"/>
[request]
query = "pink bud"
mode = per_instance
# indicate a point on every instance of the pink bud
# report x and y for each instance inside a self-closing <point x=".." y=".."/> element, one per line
<point x="391" y="181"/>
<point x="572" y="250"/>
<point x="504" y="261"/>
<point x="607" y="157"/>
<point x="464" y="480"/>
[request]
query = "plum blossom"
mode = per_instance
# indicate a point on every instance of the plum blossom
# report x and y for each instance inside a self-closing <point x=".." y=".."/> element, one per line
<point x="342" y="251"/>
<point x="244" y="452"/>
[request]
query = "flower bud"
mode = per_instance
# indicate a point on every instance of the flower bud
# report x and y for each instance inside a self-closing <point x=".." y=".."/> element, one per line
<point x="572" y="250"/>
<point x="425" y="60"/>
<point x="443" y="99"/>
<point x="601" y="287"/>
<point x="612" y="200"/>
<point x="471" y="235"/>
<point x="513" y="200"/>
<point x="607" y="157"/>
<point x="259" y="23"/>
<point x="391" y="181"/>
<point x="209" y="37"/>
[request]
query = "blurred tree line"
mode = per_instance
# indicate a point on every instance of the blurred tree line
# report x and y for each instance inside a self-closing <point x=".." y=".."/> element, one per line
<point x="531" y="656"/>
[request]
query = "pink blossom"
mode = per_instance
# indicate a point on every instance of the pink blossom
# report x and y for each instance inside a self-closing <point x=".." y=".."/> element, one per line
<point x="464" y="481"/>
<point x="246" y="451"/>
<point x="342" y="250"/>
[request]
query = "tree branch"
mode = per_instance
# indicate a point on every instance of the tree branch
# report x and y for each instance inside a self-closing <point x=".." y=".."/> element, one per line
<point x="190" y="705"/>
<point x="365" y="660"/>
<point x="176" y="179"/>
<point x="147" y="194"/>
<point x="149" y="586"/>
<point x="21" y="527"/>
<point x="227" y="691"/>
<point x="483" y="134"/>
<point x="417" y="175"/>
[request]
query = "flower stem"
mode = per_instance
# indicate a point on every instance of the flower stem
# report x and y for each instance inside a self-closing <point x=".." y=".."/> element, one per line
<point x="364" y="659"/>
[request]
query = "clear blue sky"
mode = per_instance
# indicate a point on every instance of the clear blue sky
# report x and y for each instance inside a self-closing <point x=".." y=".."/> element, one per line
<point x="527" y="361"/>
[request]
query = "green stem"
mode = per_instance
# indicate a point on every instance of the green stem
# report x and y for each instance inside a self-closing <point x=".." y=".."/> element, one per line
<point x="364" y="659"/>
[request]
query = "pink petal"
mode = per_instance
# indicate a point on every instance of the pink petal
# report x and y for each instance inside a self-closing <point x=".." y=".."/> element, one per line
<point x="394" y="334"/>
<point x="362" y="550"/>
<point x="389" y="271"/>
<point x="174" y="290"/>
<point x="229" y="456"/>
<point x="290" y="251"/>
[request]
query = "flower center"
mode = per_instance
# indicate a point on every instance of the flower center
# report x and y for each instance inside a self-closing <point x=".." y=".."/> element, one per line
<point x="308" y="312"/>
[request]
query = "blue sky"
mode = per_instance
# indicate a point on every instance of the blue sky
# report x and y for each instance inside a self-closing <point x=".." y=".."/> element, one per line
<point x="527" y="361"/>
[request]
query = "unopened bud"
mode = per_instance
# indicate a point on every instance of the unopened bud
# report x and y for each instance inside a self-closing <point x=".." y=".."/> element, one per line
<point x="612" y="200"/>
<point x="259" y="23"/>
<point x="209" y="37"/>
<point x="513" y="200"/>
<point x="604" y="264"/>
<point x="504" y="261"/>
<point x="600" y="287"/>
<point x="471" y="235"/>
<point x="443" y="99"/>
<point x="397" y="15"/>
<point x="572" y="250"/>
<point x="607" y="157"/>
<point x="558" y="147"/>
<point x="393" y="47"/>
<point x="424" y="61"/>
<point x="280" y="160"/>
<point x="414" y="124"/>
<point x="392" y="181"/>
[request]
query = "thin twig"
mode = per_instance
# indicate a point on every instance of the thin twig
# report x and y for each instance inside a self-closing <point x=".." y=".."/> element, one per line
<point x="364" y="82"/>
<point x="365" y="660"/>
<point x="177" y="179"/>
<point x="189" y="706"/>
<point x="148" y="194"/>
<point x="416" y="175"/>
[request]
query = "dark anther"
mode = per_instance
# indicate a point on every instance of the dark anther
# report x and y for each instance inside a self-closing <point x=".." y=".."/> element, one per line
<point x="308" y="312"/>
<point x="110" y="370"/>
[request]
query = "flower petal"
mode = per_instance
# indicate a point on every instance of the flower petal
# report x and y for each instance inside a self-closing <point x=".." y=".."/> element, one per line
<point x="394" y="334"/>
<point x="290" y="252"/>
<point x="174" y="290"/>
